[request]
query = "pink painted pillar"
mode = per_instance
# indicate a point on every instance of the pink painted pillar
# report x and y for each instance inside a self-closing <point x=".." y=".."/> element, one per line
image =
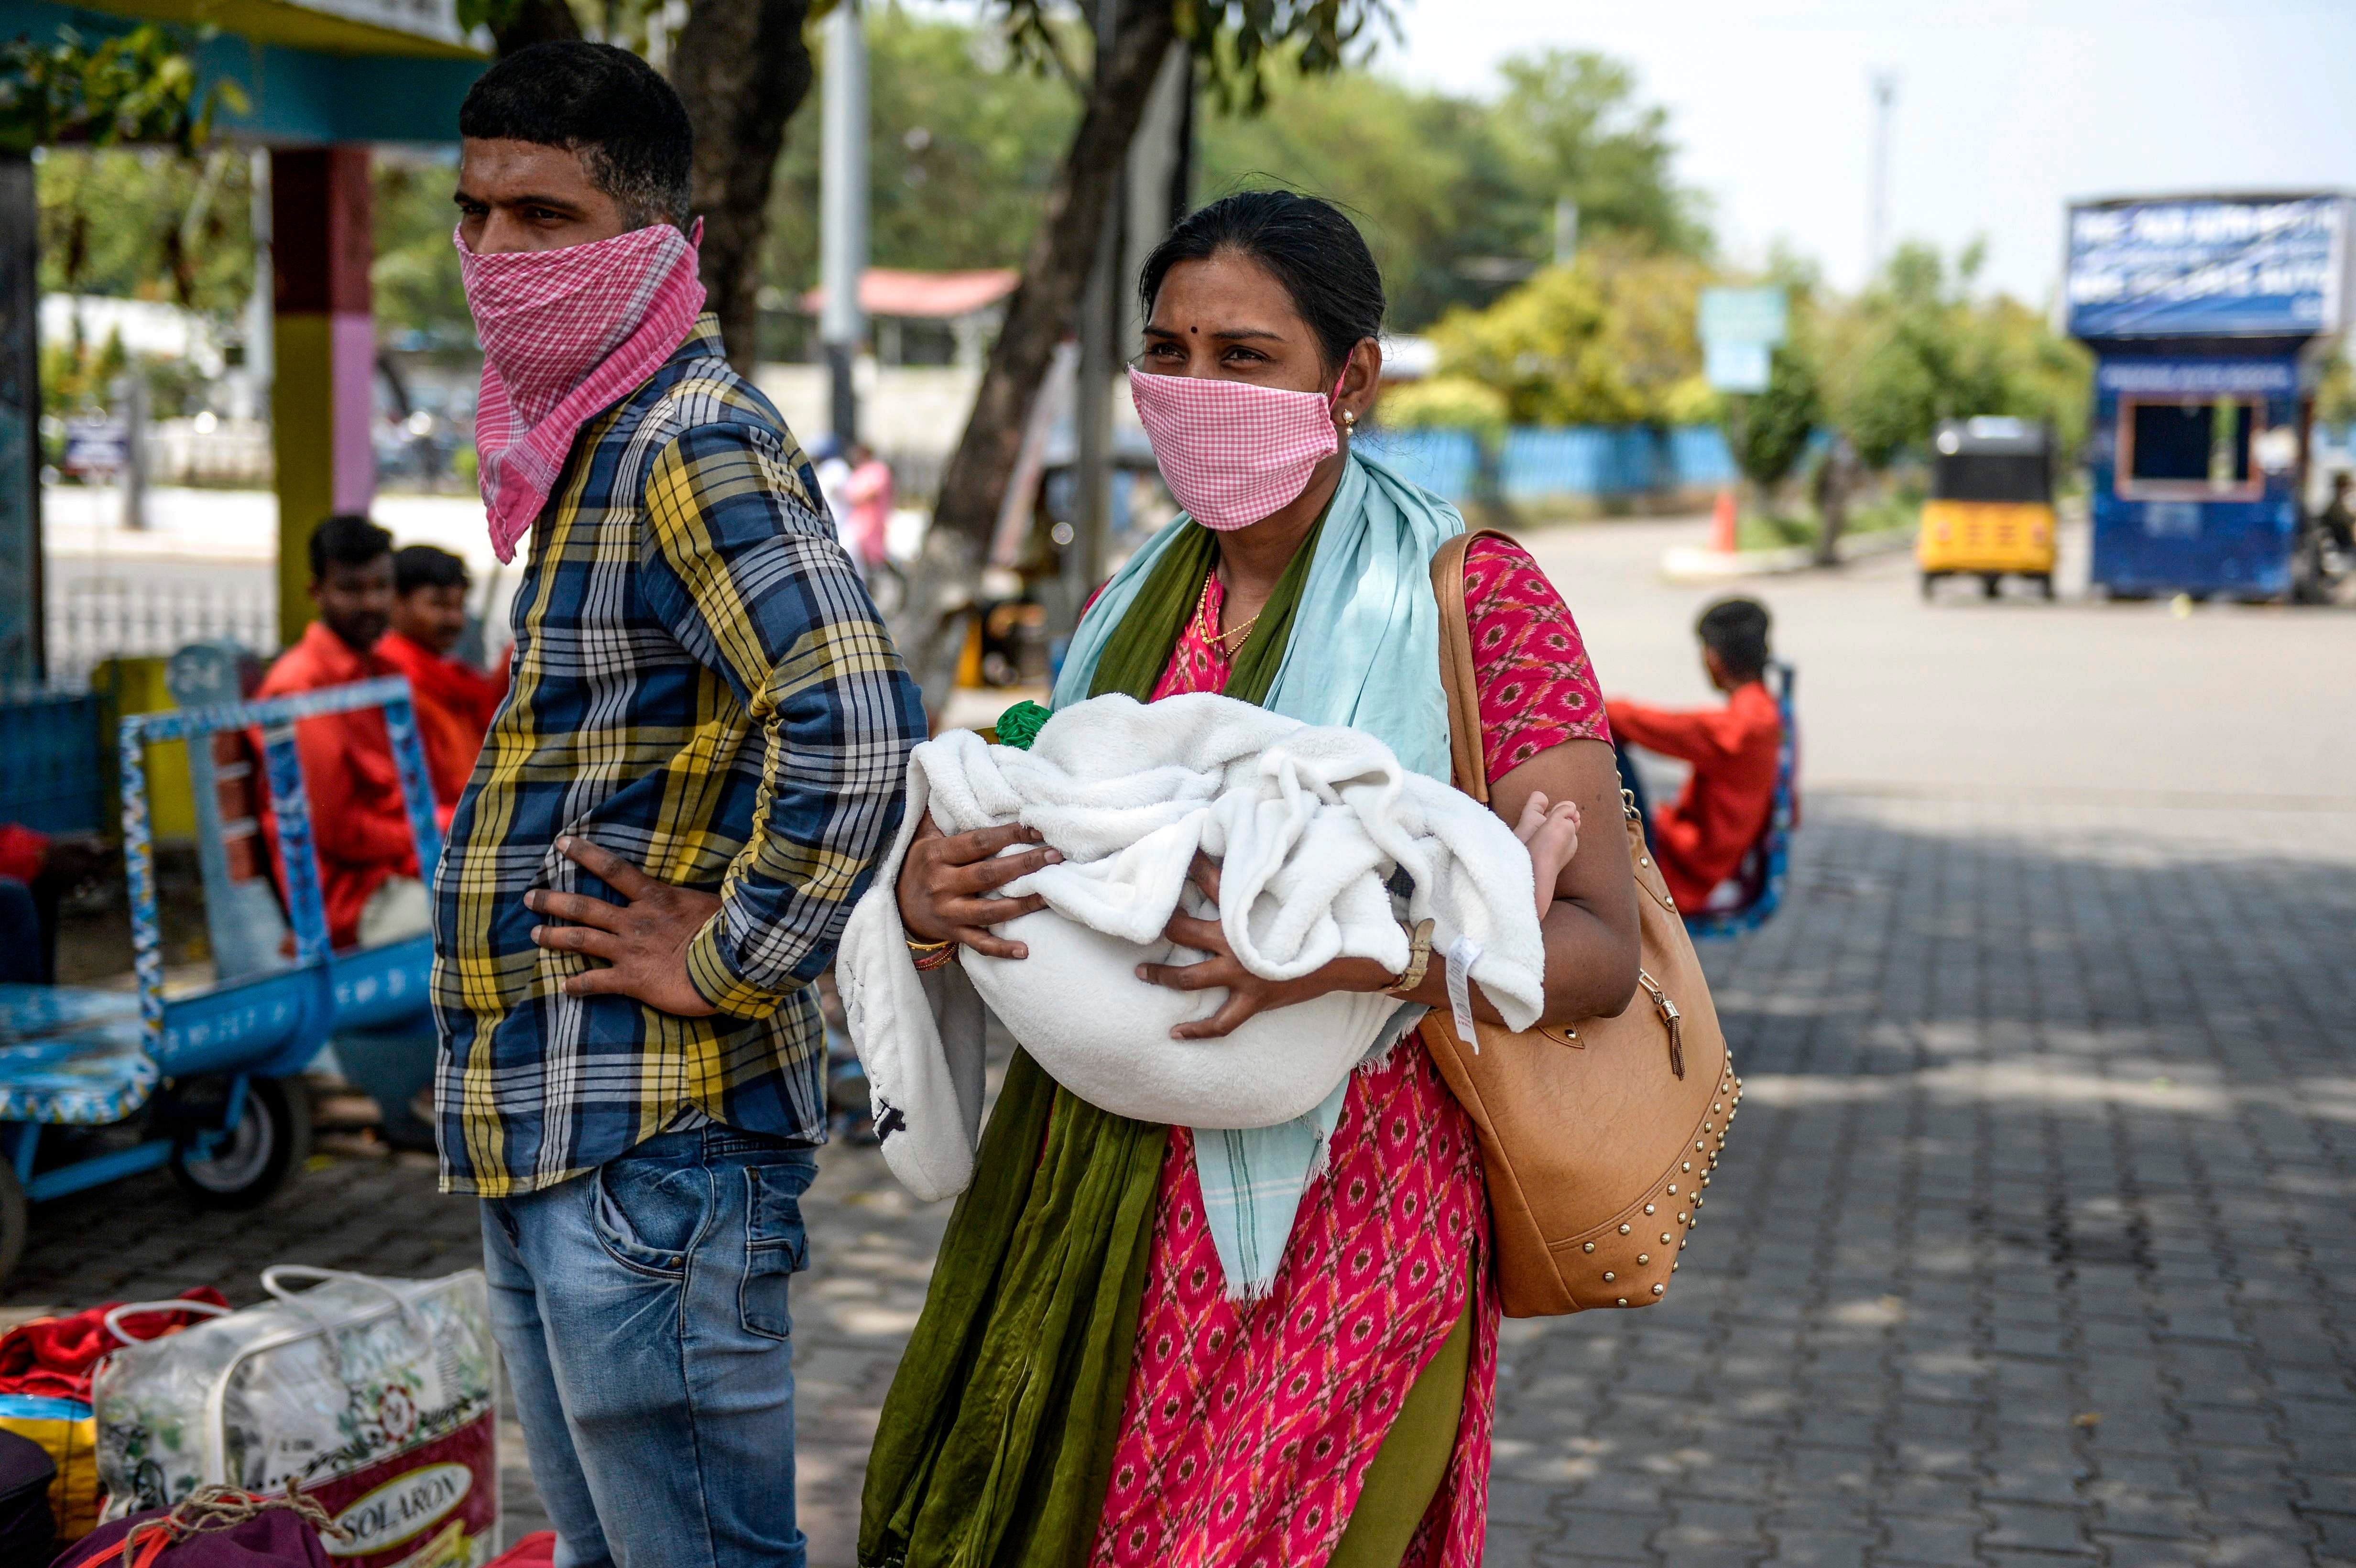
<point x="322" y="394"/>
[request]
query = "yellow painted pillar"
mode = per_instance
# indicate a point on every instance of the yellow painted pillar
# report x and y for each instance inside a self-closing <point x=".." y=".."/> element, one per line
<point x="322" y="393"/>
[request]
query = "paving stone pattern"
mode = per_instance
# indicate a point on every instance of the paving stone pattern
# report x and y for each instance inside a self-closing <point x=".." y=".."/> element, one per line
<point x="2035" y="1244"/>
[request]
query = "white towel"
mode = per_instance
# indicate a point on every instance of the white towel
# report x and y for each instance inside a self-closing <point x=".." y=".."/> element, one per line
<point x="1308" y="823"/>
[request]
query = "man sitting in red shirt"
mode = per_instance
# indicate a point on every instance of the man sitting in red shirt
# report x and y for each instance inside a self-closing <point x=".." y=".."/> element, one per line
<point x="456" y="702"/>
<point x="1701" y="840"/>
<point x="368" y="857"/>
<point x="35" y="871"/>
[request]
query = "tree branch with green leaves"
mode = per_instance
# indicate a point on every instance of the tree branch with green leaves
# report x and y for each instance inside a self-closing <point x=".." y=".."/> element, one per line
<point x="139" y="87"/>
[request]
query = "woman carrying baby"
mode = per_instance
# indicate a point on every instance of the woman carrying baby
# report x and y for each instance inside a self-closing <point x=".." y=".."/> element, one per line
<point x="1089" y="1384"/>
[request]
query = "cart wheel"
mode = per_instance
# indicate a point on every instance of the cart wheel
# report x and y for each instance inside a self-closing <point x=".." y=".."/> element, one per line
<point x="1991" y="584"/>
<point x="272" y="1139"/>
<point x="13" y="1220"/>
<point x="2045" y="585"/>
<point x="1930" y="581"/>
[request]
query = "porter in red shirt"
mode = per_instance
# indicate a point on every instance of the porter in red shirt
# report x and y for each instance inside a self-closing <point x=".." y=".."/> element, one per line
<point x="456" y="702"/>
<point x="358" y="822"/>
<point x="1701" y="839"/>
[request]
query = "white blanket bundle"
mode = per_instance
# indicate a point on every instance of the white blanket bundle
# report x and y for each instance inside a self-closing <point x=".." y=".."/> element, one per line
<point x="1309" y="824"/>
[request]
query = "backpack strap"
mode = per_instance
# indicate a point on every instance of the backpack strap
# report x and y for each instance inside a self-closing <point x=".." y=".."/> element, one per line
<point x="1456" y="675"/>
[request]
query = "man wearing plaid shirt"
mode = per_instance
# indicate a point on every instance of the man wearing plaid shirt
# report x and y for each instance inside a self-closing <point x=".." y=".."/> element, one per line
<point x="700" y="758"/>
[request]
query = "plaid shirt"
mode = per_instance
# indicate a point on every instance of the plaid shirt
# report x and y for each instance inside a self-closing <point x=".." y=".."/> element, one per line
<point x="700" y="686"/>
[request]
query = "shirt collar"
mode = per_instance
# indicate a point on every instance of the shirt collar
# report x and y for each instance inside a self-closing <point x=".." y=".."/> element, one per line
<point x="702" y="341"/>
<point x="338" y="658"/>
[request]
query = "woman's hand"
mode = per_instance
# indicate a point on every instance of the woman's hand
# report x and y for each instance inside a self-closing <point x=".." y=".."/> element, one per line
<point x="946" y="878"/>
<point x="1247" y="994"/>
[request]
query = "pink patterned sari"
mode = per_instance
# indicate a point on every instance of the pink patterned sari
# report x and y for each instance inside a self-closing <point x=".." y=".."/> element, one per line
<point x="1248" y="1427"/>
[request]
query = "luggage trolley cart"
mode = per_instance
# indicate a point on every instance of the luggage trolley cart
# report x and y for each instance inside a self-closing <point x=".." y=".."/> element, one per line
<point x="202" y="1082"/>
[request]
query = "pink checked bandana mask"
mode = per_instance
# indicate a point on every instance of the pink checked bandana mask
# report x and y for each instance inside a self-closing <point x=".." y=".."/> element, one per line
<point x="566" y="334"/>
<point x="1231" y="453"/>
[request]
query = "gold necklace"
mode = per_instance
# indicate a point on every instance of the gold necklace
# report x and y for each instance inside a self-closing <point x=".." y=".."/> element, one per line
<point x="1210" y="632"/>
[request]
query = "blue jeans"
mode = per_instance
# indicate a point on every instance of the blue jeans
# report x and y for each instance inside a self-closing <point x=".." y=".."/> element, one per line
<point x="641" y="1310"/>
<point x="23" y="942"/>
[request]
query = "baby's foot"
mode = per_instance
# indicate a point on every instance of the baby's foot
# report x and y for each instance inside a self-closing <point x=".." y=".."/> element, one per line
<point x="1551" y="833"/>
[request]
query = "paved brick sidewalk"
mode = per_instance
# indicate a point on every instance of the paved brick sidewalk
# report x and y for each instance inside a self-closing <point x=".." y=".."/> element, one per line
<point x="2038" y="1241"/>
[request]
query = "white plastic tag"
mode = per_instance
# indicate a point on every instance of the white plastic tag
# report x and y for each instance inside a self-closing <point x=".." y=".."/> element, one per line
<point x="1463" y="953"/>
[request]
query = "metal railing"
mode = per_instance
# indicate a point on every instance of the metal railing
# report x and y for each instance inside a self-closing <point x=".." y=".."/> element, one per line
<point x="91" y="620"/>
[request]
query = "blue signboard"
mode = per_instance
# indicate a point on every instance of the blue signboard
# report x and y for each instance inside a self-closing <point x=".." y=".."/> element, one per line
<point x="2209" y="267"/>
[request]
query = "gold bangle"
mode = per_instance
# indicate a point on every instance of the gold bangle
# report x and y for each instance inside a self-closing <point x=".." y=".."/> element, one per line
<point x="1419" y="959"/>
<point x="921" y="948"/>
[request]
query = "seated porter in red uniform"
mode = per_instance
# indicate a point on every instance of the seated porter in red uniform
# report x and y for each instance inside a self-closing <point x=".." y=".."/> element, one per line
<point x="368" y="859"/>
<point x="1701" y="839"/>
<point x="456" y="702"/>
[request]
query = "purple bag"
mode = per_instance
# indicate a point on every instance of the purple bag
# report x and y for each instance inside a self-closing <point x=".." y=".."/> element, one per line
<point x="276" y="1538"/>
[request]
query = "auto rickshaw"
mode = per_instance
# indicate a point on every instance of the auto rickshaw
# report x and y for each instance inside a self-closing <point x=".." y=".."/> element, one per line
<point x="1990" y="514"/>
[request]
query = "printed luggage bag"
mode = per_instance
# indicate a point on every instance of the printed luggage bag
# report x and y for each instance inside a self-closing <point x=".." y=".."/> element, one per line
<point x="374" y="1395"/>
<point x="68" y="1434"/>
<point x="28" y="1530"/>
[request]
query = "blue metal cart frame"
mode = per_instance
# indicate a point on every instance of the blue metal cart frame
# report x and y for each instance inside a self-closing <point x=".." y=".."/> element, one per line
<point x="71" y="1057"/>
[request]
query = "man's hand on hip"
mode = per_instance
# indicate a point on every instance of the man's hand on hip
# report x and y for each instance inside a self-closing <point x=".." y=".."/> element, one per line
<point x="643" y="942"/>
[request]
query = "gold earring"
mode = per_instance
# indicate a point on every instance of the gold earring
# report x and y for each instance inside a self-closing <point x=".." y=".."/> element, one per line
<point x="1349" y="423"/>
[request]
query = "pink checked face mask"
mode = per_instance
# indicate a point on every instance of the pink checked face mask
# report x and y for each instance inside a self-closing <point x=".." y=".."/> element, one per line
<point x="1232" y="453"/>
<point x="566" y="334"/>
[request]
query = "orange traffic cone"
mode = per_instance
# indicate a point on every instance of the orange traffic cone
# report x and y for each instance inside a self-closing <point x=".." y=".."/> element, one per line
<point x="1722" y="524"/>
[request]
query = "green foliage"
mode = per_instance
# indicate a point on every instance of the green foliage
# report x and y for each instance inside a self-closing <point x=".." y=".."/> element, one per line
<point x="963" y="150"/>
<point x="147" y="224"/>
<point x="1447" y="402"/>
<point x="2335" y="391"/>
<point x="961" y="153"/>
<point x="1421" y="171"/>
<point x="1439" y="181"/>
<point x="139" y="86"/>
<point x="1915" y="347"/>
<point x="1571" y="120"/>
<point x="1768" y="432"/>
<point x="1248" y="48"/>
<point x="415" y="274"/>
<point x="76" y="376"/>
<point x="1606" y="340"/>
<point x="473" y="13"/>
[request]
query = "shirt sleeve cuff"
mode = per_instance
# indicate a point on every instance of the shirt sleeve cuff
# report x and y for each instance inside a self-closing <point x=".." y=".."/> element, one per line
<point x="717" y="981"/>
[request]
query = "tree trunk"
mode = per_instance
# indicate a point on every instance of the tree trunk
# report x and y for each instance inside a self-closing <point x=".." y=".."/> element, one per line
<point x="1055" y="276"/>
<point x="742" y="67"/>
<point x="1054" y="273"/>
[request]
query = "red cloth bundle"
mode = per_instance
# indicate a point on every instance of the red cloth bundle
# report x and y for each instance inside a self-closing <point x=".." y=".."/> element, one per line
<point x="54" y="1357"/>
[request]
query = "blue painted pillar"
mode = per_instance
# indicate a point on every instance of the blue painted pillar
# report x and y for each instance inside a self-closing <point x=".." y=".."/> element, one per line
<point x="22" y="655"/>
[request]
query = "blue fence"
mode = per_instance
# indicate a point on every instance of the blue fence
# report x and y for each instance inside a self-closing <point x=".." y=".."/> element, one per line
<point x="1607" y="461"/>
<point x="1444" y="461"/>
<point x="1584" y="462"/>
<point x="51" y="780"/>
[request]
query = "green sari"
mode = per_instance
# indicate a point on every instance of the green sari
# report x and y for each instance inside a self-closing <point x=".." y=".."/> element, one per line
<point x="996" y="1439"/>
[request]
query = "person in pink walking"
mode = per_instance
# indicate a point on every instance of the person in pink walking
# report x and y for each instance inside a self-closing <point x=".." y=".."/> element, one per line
<point x="870" y="494"/>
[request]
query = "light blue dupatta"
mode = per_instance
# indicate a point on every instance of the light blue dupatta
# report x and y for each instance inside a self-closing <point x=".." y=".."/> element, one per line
<point x="1364" y="652"/>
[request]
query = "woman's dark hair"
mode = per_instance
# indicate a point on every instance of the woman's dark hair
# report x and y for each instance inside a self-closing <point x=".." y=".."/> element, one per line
<point x="1736" y="631"/>
<point x="1308" y="246"/>
<point x="603" y="102"/>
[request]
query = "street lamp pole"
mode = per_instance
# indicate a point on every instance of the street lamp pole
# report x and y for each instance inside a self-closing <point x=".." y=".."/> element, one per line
<point x="842" y="210"/>
<point x="1885" y="97"/>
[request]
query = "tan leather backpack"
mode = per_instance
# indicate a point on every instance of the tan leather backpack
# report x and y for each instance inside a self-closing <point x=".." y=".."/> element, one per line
<point x="1597" y="1138"/>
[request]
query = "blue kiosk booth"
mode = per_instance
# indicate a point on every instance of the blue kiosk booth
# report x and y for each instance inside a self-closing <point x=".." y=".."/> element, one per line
<point x="2208" y="316"/>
